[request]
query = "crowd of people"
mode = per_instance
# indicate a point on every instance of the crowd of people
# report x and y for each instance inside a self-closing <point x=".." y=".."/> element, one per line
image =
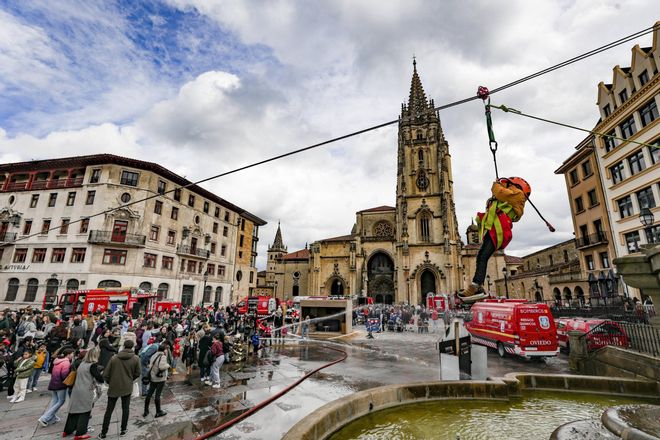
<point x="417" y="318"/>
<point x="121" y="357"/>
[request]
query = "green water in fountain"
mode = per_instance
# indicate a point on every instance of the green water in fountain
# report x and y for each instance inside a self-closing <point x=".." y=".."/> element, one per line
<point x="533" y="417"/>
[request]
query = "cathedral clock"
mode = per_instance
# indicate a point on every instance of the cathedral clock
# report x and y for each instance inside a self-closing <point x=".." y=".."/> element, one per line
<point x="422" y="180"/>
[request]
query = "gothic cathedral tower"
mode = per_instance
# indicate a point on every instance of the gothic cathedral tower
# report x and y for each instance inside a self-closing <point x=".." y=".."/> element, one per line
<point x="428" y="244"/>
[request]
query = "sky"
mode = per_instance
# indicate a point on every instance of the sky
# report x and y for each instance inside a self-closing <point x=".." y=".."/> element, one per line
<point x="205" y="86"/>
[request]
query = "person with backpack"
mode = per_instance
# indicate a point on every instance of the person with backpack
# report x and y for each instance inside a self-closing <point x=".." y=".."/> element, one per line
<point x="145" y="358"/>
<point x="61" y="369"/>
<point x="23" y="370"/>
<point x="158" y="368"/>
<point x="218" y="358"/>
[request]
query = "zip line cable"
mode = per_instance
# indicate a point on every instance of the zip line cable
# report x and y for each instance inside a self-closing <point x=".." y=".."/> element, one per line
<point x="352" y="134"/>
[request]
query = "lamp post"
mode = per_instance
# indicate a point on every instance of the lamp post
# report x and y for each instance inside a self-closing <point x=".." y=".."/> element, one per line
<point x="647" y="219"/>
<point x="505" y="272"/>
<point x="488" y="282"/>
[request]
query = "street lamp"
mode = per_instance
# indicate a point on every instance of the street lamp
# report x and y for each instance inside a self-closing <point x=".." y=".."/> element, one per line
<point x="505" y="272"/>
<point x="488" y="282"/>
<point x="647" y="219"/>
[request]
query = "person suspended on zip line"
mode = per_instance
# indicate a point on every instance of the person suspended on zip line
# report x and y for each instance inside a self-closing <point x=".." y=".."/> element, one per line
<point x="505" y="207"/>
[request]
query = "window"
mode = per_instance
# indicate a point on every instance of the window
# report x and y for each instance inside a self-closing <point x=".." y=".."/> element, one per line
<point x="161" y="187"/>
<point x="39" y="255"/>
<point x="90" y="197"/>
<point x="191" y="200"/>
<point x="78" y="255"/>
<point x="610" y="141"/>
<point x="655" y="152"/>
<point x="171" y="237"/>
<point x="645" y="198"/>
<point x="215" y="228"/>
<point x="628" y="128"/>
<point x="424" y="228"/>
<point x="632" y="241"/>
<point x="618" y="172"/>
<point x="20" y="255"/>
<point x="125" y="198"/>
<point x="175" y="213"/>
<point x="167" y="263"/>
<point x="114" y="256"/>
<point x="242" y="224"/>
<point x="623" y="96"/>
<point x="565" y="256"/>
<point x="95" y="176"/>
<point x="604" y="260"/>
<point x="593" y="198"/>
<point x="218" y="294"/>
<point x="210" y="269"/>
<point x="240" y="241"/>
<point x="64" y="227"/>
<point x="31" y="291"/>
<point x="213" y="246"/>
<point x="589" y="260"/>
<point x="192" y="266"/>
<point x="217" y="212"/>
<point x="84" y="225"/>
<point x="153" y="233"/>
<point x="239" y="275"/>
<point x="163" y="289"/>
<point x="207" y="294"/>
<point x="150" y="260"/>
<point x="225" y="231"/>
<point x="625" y="207"/>
<point x="648" y="113"/>
<point x="45" y="227"/>
<point x="206" y="207"/>
<point x="177" y="194"/>
<point x="108" y="283"/>
<point x="579" y="205"/>
<point x="52" y="199"/>
<point x="129" y="178"/>
<point x="223" y="250"/>
<point x="584" y="232"/>
<point x="12" y="289"/>
<point x="58" y="255"/>
<point x="574" y="177"/>
<point x="34" y="200"/>
<point x="643" y="78"/>
<point x="552" y="262"/>
<point x="221" y="271"/>
<point x="27" y="227"/>
<point x="636" y="162"/>
<point x="158" y="207"/>
<point x="586" y="169"/>
<point x="252" y="277"/>
<point x="607" y="110"/>
<point x="598" y="227"/>
<point x="240" y="254"/>
<point x="653" y="234"/>
<point x="71" y="199"/>
<point x="227" y="216"/>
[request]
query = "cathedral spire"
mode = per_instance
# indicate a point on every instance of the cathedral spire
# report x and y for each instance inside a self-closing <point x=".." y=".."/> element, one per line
<point x="278" y="243"/>
<point x="417" y="102"/>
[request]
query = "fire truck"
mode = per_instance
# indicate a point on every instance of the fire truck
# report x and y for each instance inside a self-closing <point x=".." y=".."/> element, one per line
<point x="86" y="302"/>
<point x="259" y="305"/>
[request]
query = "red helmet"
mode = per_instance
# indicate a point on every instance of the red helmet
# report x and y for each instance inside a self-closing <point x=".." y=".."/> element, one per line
<point x="520" y="183"/>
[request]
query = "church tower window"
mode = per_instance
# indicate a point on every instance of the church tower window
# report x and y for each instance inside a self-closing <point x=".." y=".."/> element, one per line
<point x="425" y="227"/>
<point x="420" y="156"/>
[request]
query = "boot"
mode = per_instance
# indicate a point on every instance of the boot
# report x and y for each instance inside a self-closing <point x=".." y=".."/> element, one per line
<point x="473" y="293"/>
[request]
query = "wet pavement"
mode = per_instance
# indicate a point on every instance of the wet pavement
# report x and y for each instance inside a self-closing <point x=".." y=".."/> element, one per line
<point x="389" y="358"/>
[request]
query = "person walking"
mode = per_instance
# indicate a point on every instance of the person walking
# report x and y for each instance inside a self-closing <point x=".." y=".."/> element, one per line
<point x="61" y="369"/>
<point x="145" y="358"/>
<point x="158" y="368"/>
<point x="205" y="343"/>
<point x="120" y="373"/>
<point x="23" y="370"/>
<point x="219" y="359"/>
<point x="189" y="355"/>
<point x="85" y="392"/>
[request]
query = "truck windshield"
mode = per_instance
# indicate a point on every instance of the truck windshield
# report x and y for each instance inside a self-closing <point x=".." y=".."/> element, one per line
<point x="67" y="302"/>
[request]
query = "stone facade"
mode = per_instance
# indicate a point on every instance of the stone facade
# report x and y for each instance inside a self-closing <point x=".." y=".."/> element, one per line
<point x="166" y="244"/>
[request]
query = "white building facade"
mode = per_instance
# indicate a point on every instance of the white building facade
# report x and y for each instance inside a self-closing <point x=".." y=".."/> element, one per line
<point x="181" y="243"/>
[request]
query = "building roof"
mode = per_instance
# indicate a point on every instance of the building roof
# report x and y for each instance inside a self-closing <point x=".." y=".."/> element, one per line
<point x="262" y="273"/>
<point x="379" y="209"/>
<point x="302" y="254"/>
<point x="510" y="259"/>
<point x="340" y="238"/>
<point x="101" y="159"/>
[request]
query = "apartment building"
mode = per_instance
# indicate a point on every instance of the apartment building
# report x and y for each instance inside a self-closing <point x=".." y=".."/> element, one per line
<point x="81" y="223"/>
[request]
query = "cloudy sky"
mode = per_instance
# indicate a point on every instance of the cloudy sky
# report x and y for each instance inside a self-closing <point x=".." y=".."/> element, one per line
<point x="204" y="86"/>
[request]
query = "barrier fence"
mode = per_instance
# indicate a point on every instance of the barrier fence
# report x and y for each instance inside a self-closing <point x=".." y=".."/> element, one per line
<point x="634" y="336"/>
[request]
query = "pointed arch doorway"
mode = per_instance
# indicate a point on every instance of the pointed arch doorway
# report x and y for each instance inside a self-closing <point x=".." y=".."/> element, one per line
<point x="426" y="284"/>
<point x="380" y="273"/>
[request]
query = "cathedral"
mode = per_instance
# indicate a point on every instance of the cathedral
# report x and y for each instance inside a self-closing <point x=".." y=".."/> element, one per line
<point x="394" y="254"/>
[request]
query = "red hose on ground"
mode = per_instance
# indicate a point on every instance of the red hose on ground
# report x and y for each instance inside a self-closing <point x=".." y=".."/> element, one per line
<point x="260" y="405"/>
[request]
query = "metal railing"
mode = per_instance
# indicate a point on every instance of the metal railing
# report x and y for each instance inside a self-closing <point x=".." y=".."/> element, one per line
<point x="639" y="337"/>
<point x="591" y="239"/>
<point x="614" y="311"/>
<point x="185" y="249"/>
<point x="108" y="237"/>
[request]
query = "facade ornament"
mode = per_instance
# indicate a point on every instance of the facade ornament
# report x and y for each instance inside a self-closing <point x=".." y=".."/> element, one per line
<point x="427" y="259"/>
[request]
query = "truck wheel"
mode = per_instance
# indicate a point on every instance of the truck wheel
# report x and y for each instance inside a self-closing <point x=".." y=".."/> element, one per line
<point x="500" y="349"/>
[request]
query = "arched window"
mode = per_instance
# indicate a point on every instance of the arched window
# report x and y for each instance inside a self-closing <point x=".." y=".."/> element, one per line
<point x="337" y="287"/>
<point x="568" y="295"/>
<point x="163" y="289"/>
<point x="207" y="294"/>
<point x="52" y="285"/>
<point x="218" y="294"/>
<point x="12" y="289"/>
<point x="72" y="284"/>
<point x="31" y="291"/>
<point x="109" y="283"/>
<point x="295" y="291"/>
<point x="420" y="155"/>
<point x="556" y="293"/>
<point x="145" y="285"/>
<point x="425" y="227"/>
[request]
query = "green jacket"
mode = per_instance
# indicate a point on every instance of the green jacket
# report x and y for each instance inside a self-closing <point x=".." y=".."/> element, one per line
<point x="121" y="371"/>
<point x="23" y="367"/>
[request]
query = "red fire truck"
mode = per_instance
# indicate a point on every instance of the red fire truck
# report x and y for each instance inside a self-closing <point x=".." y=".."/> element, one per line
<point x="102" y="300"/>
<point x="514" y="326"/>
<point x="261" y="305"/>
<point x="437" y="301"/>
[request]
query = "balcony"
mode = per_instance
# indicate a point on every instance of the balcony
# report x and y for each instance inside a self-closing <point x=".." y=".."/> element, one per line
<point x="192" y="252"/>
<point x="7" y="237"/>
<point x="43" y="184"/>
<point x="591" y="240"/>
<point x="107" y="237"/>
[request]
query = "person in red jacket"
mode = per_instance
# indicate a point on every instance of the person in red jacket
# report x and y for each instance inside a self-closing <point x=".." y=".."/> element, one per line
<point x="505" y="207"/>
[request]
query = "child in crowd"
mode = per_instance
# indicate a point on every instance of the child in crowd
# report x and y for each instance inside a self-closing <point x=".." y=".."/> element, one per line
<point x="40" y="360"/>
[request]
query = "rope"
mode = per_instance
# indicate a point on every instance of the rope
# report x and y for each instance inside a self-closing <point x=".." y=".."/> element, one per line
<point x="562" y="124"/>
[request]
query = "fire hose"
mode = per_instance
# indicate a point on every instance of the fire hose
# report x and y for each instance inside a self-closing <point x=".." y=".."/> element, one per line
<point x="218" y="429"/>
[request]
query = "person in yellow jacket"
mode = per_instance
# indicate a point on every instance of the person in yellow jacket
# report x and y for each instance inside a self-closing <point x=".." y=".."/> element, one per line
<point x="505" y="207"/>
<point x="40" y="359"/>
